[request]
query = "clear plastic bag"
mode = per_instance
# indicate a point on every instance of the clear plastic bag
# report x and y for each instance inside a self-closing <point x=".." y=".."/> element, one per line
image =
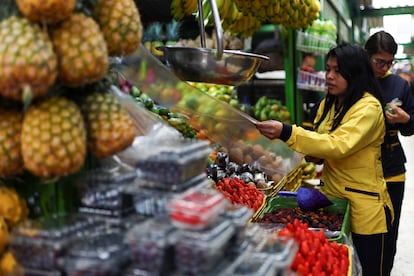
<point x="223" y="124"/>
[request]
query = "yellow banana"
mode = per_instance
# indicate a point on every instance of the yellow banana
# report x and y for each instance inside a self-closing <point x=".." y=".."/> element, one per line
<point x="177" y="10"/>
<point x="223" y="8"/>
<point x="190" y="6"/>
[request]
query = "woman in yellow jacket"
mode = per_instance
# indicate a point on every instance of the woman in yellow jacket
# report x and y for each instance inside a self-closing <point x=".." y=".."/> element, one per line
<point x="349" y="131"/>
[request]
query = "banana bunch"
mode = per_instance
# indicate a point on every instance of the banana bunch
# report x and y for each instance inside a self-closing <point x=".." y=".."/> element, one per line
<point x="244" y="26"/>
<point x="181" y="8"/>
<point x="233" y="20"/>
<point x="262" y="10"/>
<point x="244" y="17"/>
<point x="295" y="14"/>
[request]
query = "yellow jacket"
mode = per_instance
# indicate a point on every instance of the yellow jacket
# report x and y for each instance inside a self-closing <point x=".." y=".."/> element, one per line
<point x="352" y="161"/>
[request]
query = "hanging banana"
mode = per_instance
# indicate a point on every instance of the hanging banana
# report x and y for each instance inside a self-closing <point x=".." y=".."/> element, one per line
<point x="181" y="8"/>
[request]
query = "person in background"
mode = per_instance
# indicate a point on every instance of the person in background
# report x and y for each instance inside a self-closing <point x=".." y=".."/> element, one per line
<point x="348" y="133"/>
<point x="308" y="63"/>
<point x="381" y="48"/>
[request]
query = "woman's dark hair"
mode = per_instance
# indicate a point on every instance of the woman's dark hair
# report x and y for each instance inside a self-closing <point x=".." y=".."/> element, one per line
<point x="355" y="68"/>
<point x="381" y="42"/>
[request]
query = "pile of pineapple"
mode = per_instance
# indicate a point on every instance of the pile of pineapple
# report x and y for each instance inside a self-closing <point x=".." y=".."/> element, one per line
<point x="53" y="56"/>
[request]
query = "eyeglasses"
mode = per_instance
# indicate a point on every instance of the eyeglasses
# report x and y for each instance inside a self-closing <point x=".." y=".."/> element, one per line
<point x="380" y="63"/>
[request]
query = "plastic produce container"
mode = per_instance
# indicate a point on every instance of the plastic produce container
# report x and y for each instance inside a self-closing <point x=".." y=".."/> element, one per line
<point x="104" y="255"/>
<point x="257" y="264"/>
<point x="106" y="200"/>
<point x="178" y="186"/>
<point x="172" y="162"/>
<point x="195" y="209"/>
<point x="151" y="246"/>
<point x="154" y="202"/>
<point x="198" y="252"/>
<point x="40" y="244"/>
<point x="239" y="215"/>
<point x="282" y="250"/>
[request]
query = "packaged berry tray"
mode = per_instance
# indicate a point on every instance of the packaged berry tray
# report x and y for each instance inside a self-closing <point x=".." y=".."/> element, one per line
<point x="171" y="163"/>
<point x="198" y="252"/>
<point x="151" y="245"/>
<point x="41" y="243"/>
<point x="196" y="209"/>
<point x="98" y="254"/>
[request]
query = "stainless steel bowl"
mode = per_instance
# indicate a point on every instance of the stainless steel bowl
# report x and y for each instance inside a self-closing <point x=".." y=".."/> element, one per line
<point x="203" y="65"/>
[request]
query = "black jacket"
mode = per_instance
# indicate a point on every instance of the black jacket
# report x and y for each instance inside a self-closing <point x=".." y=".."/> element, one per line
<point x="393" y="157"/>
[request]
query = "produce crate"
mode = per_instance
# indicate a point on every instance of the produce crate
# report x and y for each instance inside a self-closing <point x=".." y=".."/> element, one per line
<point x="290" y="182"/>
<point x="261" y="208"/>
<point x="340" y="206"/>
<point x="307" y="42"/>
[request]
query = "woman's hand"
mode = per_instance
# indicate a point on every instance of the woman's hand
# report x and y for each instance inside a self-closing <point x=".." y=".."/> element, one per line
<point x="271" y="129"/>
<point x="397" y="116"/>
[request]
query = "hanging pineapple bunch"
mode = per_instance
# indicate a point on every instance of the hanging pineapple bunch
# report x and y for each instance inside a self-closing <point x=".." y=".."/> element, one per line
<point x="71" y="38"/>
<point x="28" y="62"/>
<point x="11" y="160"/>
<point x="121" y="25"/>
<point x="109" y="126"/>
<point x="50" y="48"/>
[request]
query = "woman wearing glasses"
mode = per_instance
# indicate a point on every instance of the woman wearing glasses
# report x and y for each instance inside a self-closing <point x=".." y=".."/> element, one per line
<point x="349" y="131"/>
<point x="381" y="48"/>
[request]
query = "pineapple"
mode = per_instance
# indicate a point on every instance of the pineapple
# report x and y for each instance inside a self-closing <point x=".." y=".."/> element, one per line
<point x="81" y="50"/>
<point x="11" y="161"/>
<point x="173" y="32"/>
<point x="48" y="12"/>
<point x="28" y="62"/>
<point x="120" y="22"/>
<point x="110" y="128"/>
<point x="53" y="138"/>
<point x="148" y="36"/>
<point x="157" y="38"/>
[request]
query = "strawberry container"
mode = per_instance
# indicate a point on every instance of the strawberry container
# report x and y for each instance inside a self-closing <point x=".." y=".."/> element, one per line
<point x="195" y="209"/>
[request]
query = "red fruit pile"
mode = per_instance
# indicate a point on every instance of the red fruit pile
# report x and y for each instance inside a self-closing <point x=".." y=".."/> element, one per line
<point x="238" y="192"/>
<point x="316" y="255"/>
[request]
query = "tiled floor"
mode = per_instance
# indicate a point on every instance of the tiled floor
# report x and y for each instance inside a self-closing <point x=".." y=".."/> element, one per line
<point x="404" y="264"/>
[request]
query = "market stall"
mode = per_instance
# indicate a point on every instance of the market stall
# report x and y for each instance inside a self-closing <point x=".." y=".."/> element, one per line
<point x="138" y="171"/>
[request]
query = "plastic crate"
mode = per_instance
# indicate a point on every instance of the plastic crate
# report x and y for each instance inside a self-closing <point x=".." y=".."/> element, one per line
<point x="340" y="206"/>
<point x="307" y="42"/>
